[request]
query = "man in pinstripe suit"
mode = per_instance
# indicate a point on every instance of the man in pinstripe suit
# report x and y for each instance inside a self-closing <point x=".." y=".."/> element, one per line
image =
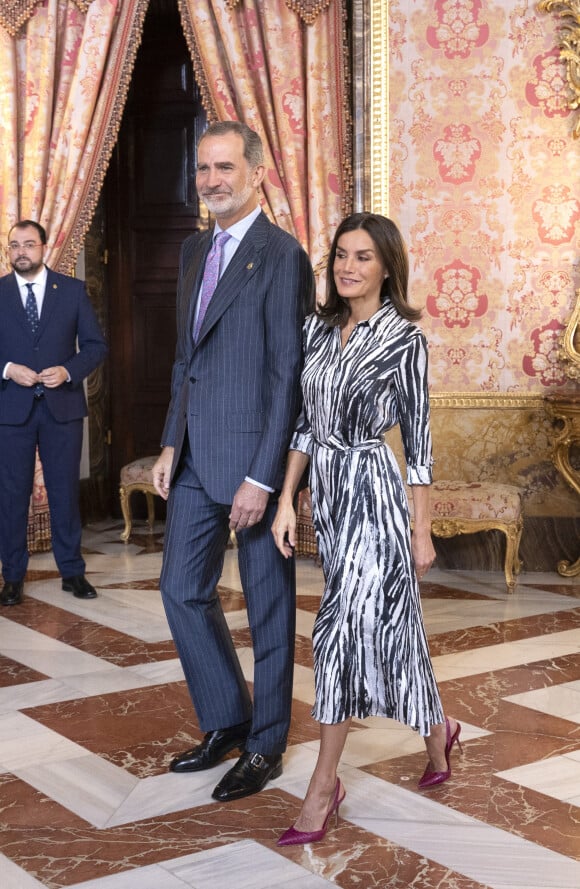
<point x="235" y="396"/>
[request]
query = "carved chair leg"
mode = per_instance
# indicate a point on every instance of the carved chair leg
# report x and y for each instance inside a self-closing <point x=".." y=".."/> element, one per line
<point x="512" y="566"/>
<point x="150" y="510"/>
<point x="126" y="510"/>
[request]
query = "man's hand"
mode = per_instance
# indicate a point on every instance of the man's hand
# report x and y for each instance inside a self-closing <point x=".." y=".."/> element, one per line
<point x="162" y="472"/>
<point x="22" y="375"/>
<point x="248" y="507"/>
<point x="52" y="377"/>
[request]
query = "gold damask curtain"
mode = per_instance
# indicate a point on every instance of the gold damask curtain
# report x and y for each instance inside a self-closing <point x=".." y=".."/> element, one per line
<point x="279" y="66"/>
<point x="64" y="72"/>
<point x="65" y="67"/>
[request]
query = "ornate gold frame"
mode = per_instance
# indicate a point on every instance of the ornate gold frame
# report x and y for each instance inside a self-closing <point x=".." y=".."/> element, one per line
<point x="569" y="13"/>
<point x="570" y="352"/>
<point x="379" y="106"/>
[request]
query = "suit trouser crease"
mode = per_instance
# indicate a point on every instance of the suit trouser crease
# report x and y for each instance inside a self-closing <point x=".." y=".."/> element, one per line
<point x="196" y="536"/>
<point x="59" y="448"/>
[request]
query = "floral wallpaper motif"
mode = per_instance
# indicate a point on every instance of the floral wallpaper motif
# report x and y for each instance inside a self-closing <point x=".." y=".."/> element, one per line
<point x="484" y="175"/>
<point x="484" y="184"/>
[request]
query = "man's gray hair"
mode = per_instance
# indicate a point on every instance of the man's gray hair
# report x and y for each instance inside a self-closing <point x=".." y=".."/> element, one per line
<point x="253" y="149"/>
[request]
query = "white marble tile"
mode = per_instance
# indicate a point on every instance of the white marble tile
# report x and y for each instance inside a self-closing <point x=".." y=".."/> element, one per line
<point x="477" y="850"/>
<point x="44" y="654"/>
<point x="89" y="786"/>
<point x="557" y="776"/>
<point x="237" y="620"/>
<point x="159" y="672"/>
<point x="154" y="876"/>
<point x="159" y="795"/>
<point x="14" y="877"/>
<point x="507" y="654"/>
<point x="303" y="688"/>
<point x="557" y="700"/>
<point x="105" y="682"/>
<point x="35" y="694"/>
<point x="304" y="622"/>
<point x="23" y="740"/>
<point x="113" y="609"/>
<point x="448" y="615"/>
<point x="244" y="865"/>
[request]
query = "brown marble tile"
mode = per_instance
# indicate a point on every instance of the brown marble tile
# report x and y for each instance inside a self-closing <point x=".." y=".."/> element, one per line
<point x="151" y="584"/>
<point x="503" y="631"/>
<point x="308" y="603"/>
<point x="89" y="636"/>
<point x="140" y="730"/>
<point x="145" y="541"/>
<point x="13" y="673"/>
<point x="560" y="589"/>
<point x="431" y="590"/>
<point x="59" y="849"/>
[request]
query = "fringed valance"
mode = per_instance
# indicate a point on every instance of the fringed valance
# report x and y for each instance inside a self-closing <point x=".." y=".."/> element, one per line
<point x="14" y="13"/>
<point x="306" y="9"/>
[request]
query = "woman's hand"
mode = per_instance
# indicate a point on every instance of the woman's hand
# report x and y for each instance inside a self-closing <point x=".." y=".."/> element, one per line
<point x="423" y="550"/>
<point x="284" y="528"/>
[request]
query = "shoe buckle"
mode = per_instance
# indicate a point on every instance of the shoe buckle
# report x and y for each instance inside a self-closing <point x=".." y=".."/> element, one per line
<point x="257" y="761"/>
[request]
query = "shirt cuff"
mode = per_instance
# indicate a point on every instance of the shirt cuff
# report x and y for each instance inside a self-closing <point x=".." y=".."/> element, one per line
<point x="253" y="481"/>
<point x="419" y="475"/>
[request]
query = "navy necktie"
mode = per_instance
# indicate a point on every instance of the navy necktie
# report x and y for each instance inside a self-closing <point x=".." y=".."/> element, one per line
<point x="32" y="309"/>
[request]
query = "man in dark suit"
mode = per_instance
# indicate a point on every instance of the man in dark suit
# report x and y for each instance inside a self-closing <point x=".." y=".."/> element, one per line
<point x="234" y="401"/>
<point x="50" y="341"/>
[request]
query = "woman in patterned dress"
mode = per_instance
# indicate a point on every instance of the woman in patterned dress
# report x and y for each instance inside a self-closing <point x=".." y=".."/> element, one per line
<point x="365" y="370"/>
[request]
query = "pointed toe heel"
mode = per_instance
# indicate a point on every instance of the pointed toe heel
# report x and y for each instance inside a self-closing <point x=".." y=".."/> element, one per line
<point x="293" y="837"/>
<point x="431" y="778"/>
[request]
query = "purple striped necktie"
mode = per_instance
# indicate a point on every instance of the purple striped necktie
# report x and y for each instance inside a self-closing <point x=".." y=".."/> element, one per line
<point x="210" y="278"/>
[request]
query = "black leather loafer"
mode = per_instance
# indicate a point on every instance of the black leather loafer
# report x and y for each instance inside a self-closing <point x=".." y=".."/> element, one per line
<point x="214" y="747"/>
<point x="12" y="592"/>
<point x="249" y="775"/>
<point x="79" y="587"/>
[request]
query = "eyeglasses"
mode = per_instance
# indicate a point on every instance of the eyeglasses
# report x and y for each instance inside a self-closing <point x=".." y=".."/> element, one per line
<point x="28" y="245"/>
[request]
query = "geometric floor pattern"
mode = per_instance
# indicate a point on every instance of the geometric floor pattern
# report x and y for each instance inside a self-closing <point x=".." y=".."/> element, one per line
<point x="93" y="706"/>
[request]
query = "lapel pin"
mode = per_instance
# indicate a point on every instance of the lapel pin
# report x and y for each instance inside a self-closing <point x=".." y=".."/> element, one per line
<point x="54" y="286"/>
<point x="250" y="265"/>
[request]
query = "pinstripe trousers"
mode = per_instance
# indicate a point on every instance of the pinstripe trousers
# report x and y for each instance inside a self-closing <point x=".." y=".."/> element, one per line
<point x="196" y="537"/>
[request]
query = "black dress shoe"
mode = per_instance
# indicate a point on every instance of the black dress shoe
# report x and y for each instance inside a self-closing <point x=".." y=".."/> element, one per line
<point x="79" y="587"/>
<point x="249" y="775"/>
<point x="214" y="747"/>
<point x="12" y="592"/>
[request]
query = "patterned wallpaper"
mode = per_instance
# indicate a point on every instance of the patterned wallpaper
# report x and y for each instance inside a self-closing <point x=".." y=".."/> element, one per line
<point x="485" y="185"/>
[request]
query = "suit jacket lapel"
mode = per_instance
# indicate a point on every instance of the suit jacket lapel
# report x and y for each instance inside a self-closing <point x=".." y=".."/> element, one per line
<point x="15" y="302"/>
<point x="192" y="277"/>
<point x="50" y="301"/>
<point x="244" y="264"/>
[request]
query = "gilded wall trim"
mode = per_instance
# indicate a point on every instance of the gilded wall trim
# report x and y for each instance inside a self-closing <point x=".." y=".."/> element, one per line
<point x="571" y="341"/>
<point x="568" y="13"/>
<point x="379" y="106"/>
<point x="485" y="400"/>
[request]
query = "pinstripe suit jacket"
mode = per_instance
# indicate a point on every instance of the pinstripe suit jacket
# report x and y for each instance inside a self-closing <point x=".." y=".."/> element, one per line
<point x="237" y="390"/>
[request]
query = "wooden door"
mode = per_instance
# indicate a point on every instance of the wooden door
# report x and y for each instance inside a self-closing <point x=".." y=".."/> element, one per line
<point x="151" y="206"/>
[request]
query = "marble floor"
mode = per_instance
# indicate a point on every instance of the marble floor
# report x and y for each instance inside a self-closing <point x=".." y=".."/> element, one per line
<point x="93" y="705"/>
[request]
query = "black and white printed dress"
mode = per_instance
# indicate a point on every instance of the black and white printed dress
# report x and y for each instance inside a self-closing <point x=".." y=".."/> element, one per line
<point x="371" y="656"/>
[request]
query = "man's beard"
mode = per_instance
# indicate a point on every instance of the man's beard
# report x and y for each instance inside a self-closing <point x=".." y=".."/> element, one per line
<point x="23" y="264"/>
<point x="227" y="206"/>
